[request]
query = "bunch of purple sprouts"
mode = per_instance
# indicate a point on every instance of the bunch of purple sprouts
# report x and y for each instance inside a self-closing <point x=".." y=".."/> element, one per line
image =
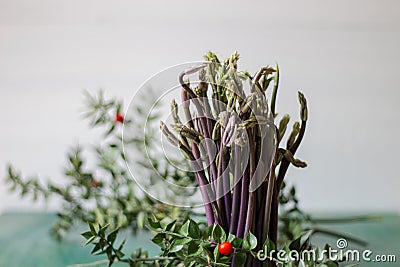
<point x="233" y="146"/>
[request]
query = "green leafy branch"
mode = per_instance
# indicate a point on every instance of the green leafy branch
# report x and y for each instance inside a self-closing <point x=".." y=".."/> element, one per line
<point x="102" y="191"/>
<point x="194" y="244"/>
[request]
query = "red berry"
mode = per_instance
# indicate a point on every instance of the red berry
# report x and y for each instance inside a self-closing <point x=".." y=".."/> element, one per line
<point x="159" y="207"/>
<point x="225" y="248"/>
<point x="119" y="118"/>
<point x="96" y="183"/>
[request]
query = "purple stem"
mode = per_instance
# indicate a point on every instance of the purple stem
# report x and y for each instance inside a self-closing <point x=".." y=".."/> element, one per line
<point x="243" y="203"/>
<point x="222" y="208"/>
<point x="233" y="229"/>
<point x="226" y="186"/>
<point x="205" y="125"/>
<point x="252" y="199"/>
<point x="202" y="180"/>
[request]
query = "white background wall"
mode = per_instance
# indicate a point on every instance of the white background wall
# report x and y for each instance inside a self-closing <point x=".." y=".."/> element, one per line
<point x="344" y="55"/>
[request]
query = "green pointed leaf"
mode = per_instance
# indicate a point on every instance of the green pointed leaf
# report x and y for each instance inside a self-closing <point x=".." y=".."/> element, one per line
<point x="218" y="234"/>
<point x="240" y="259"/>
<point x="300" y="241"/>
<point x="103" y="230"/>
<point x="112" y="236"/>
<point x="166" y="223"/>
<point x="90" y="240"/>
<point x="96" y="248"/>
<point x="87" y="234"/>
<point x="268" y="246"/>
<point x="92" y="229"/>
<point x="153" y="224"/>
<point x="237" y="242"/>
<point x="249" y="242"/>
<point x="194" y="230"/>
<point x="230" y="238"/>
<point x="194" y="249"/>
<point x="175" y="247"/>
<point x="185" y="228"/>
<point x="158" y="238"/>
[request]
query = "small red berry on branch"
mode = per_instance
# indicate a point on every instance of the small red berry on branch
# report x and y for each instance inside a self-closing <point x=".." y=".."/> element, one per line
<point x="96" y="183"/>
<point x="225" y="248"/>
<point x="159" y="207"/>
<point x="119" y="118"/>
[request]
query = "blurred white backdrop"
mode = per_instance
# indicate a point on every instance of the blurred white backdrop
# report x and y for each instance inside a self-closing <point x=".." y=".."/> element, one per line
<point x="343" y="55"/>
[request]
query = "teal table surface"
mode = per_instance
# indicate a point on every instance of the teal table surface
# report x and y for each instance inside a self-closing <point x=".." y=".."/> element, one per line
<point x="25" y="241"/>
